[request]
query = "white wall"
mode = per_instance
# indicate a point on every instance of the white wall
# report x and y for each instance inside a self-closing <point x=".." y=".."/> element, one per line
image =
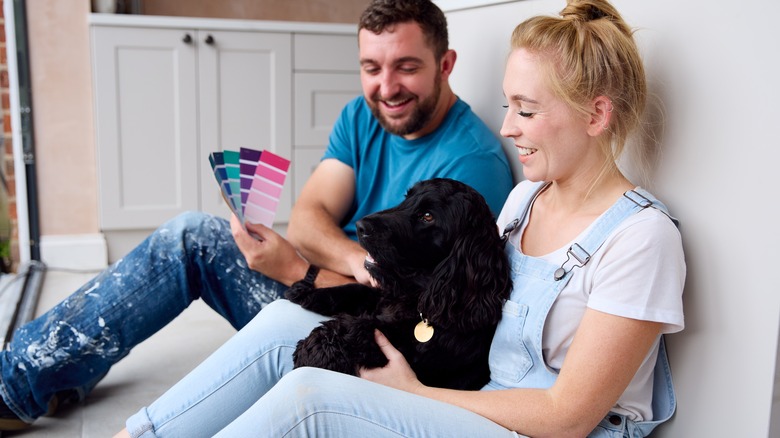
<point x="714" y="64"/>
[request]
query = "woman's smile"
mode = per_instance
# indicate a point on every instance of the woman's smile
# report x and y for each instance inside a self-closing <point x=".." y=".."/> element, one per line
<point x="525" y="151"/>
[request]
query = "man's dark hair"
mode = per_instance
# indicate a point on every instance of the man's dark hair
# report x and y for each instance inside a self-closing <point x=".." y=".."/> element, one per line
<point x="383" y="14"/>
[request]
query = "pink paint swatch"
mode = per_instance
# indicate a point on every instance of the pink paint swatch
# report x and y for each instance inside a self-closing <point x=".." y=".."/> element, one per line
<point x="263" y="198"/>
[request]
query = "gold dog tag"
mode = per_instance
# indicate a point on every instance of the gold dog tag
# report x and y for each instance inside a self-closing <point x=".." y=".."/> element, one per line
<point x="423" y="331"/>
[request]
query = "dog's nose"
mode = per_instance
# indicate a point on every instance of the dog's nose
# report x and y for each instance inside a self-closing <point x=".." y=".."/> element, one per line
<point x="363" y="228"/>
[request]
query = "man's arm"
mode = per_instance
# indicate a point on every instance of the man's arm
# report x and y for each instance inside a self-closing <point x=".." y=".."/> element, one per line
<point x="314" y="227"/>
<point x="275" y="257"/>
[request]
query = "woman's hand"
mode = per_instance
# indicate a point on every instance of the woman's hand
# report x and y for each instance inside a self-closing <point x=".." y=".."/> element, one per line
<point x="268" y="252"/>
<point x="397" y="373"/>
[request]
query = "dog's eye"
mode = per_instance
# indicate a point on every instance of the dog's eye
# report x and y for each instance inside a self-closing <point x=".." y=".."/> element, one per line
<point x="426" y="217"/>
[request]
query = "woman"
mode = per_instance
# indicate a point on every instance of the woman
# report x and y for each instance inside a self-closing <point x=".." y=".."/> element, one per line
<point x="597" y="265"/>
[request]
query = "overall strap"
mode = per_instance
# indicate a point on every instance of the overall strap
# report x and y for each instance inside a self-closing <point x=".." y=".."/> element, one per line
<point x="632" y="201"/>
<point x="529" y="198"/>
<point x="645" y="199"/>
<point x="664" y="397"/>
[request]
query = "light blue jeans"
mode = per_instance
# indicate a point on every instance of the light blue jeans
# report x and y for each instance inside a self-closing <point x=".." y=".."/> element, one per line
<point x="239" y="392"/>
<point x="73" y="345"/>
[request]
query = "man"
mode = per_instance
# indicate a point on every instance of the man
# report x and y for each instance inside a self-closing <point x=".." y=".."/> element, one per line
<point x="408" y="126"/>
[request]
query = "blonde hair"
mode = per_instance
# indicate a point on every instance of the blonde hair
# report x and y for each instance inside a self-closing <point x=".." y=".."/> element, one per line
<point x="589" y="51"/>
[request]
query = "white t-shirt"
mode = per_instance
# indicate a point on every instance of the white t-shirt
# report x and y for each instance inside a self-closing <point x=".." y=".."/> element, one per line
<point x="638" y="273"/>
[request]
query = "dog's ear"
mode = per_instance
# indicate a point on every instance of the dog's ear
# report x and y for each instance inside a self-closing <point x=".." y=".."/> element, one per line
<point x="469" y="286"/>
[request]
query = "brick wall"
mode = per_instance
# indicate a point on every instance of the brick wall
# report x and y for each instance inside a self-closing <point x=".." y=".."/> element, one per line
<point x="6" y="158"/>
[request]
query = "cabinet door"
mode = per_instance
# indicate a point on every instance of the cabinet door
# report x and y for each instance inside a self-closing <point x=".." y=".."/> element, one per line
<point x="145" y="113"/>
<point x="245" y="95"/>
<point x="319" y="100"/>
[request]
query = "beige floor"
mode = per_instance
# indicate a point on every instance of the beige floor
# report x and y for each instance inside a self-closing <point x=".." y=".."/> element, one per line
<point x="150" y="368"/>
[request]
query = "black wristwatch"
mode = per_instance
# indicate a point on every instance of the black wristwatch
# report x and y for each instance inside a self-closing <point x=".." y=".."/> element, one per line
<point x="311" y="275"/>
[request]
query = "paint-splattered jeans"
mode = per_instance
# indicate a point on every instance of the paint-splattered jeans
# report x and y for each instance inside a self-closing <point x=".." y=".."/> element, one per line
<point x="73" y="345"/>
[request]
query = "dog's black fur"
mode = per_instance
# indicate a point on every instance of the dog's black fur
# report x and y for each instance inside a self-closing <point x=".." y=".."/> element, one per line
<point x="438" y="254"/>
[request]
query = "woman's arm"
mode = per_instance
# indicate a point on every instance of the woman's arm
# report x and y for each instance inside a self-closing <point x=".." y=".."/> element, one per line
<point x="605" y="354"/>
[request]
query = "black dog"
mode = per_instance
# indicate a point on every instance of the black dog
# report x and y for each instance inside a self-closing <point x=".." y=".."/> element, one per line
<point x="439" y="260"/>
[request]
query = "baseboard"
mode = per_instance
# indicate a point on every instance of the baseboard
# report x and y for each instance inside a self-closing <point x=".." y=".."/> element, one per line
<point x="77" y="251"/>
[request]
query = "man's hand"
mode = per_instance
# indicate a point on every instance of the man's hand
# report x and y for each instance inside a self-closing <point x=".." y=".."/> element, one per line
<point x="269" y="253"/>
<point x="357" y="264"/>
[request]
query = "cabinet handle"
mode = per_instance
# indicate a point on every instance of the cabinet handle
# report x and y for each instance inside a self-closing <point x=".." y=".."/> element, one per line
<point x="187" y="38"/>
<point x="209" y="39"/>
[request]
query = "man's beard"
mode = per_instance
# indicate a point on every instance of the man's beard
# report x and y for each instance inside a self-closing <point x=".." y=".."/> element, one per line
<point x="419" y="117"/>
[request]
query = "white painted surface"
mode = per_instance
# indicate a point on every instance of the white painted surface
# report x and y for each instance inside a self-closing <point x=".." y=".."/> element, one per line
<point x="74" y="251"/>
<point x="714" y="65"/>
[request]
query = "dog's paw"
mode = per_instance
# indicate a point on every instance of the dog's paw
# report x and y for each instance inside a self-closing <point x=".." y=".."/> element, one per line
<point x="298" y="292"/>
<point x="343" y="344"/>
<point x="322" y="350"/>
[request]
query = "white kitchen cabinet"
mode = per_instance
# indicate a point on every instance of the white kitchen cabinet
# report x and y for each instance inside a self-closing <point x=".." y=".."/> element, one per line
<point x="166" y="98"/>
<point x="146" y="115"/>
<point x="245" y="101"/>
<point x="324" y="81"/>
<point x="168" y="91"/>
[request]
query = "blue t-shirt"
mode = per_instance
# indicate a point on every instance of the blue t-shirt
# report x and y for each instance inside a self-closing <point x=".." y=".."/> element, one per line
<point x="387" y="165"/>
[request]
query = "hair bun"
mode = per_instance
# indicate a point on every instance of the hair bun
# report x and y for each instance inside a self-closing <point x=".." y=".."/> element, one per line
<point x="595" y="13"/>
<point x="583" y="11"/>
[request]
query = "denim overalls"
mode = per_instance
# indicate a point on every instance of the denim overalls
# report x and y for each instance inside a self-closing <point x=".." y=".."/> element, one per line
<point x="516" y="352"/>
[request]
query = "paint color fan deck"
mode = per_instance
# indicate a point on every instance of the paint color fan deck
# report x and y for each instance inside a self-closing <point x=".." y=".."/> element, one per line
<point x="251" y="182"/>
